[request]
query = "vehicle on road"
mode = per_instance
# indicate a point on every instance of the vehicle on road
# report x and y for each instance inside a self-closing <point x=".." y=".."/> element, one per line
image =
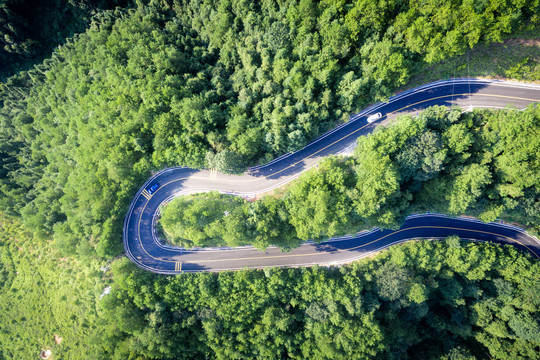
<point x="374" y="117"/>
<point x="152" y="188"/>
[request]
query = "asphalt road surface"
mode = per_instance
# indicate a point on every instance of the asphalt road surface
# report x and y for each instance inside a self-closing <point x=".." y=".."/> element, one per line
<point x="144" y="248"/>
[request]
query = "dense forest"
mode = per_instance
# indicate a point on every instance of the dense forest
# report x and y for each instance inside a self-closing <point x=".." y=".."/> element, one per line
<point x="30" y="29"/>
<point x="227" y="84"/>
<point x="205" y="83"/>
<point x="422" y="300"/>
<point x="428" y="300"/>
<point x="484" y="163"/>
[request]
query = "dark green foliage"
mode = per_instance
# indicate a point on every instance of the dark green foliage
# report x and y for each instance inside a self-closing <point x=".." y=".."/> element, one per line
<point x="30" y="29"/>
<point x="422" y="300"/>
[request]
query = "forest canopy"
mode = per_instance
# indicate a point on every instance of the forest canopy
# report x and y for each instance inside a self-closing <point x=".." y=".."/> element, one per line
<point x="199" y="83"/>
<point x="30" y="29"/>
<point x="233" y="83"/>
<point x="422" y="300"/>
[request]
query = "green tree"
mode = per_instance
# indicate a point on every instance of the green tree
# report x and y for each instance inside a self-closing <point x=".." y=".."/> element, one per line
<point x="226" y="161"/>
<point x="468" y="187"/>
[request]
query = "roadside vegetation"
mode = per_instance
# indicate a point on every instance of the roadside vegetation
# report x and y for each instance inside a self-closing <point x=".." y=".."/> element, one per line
<point x="516" y="58"/>
<point x="221" y="84"/>
<point x="483" y="163"/>
<point x="420" y="300"/>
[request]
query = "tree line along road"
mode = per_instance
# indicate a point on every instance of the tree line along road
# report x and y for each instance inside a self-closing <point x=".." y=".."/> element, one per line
<point x="144" y="248"/>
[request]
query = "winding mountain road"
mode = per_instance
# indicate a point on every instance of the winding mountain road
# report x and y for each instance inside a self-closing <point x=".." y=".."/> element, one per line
<point x="143" y="247"/>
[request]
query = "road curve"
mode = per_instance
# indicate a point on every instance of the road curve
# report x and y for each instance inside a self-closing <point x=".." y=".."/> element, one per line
<point x="144" y="248"/>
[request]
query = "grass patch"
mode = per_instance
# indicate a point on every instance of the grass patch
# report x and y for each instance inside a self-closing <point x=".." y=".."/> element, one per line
<point x="43" y="295"/>
<point x="516" y="58"/>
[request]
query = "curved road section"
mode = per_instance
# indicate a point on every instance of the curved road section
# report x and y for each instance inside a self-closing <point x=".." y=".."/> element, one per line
<point x="144" y="248"/>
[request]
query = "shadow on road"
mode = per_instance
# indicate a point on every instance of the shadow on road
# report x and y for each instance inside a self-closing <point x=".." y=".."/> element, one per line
<point x="437" y="96"/>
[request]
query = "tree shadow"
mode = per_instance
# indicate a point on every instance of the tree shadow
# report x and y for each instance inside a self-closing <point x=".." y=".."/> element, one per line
<point x="445" y="95"/>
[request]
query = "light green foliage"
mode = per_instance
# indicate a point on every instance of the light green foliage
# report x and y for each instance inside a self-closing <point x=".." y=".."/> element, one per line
<point x="228" y="83"/>
<point x="198" y="220"/>
<point x="445" y="299"/>
<point x="377" y="188"/>
<point x="216" y="219"/>
<point x="226" y="161"/>
<point x="517" y="57"/>
<point x="417" y="293"/>
<point x="484" y="164"/>
<point x="315" y="207"/>
<point x="467" y="187"/>
<point x="445" y="28"/>
<point x="517" y="149"/>
<point x="317" y="203"/>
<point x="458" y="139"/>
<point x="391" y="281"/>
<point x="270" y="223"/>
<point x="43" y="295"/>
<point x="386" y="64"/>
